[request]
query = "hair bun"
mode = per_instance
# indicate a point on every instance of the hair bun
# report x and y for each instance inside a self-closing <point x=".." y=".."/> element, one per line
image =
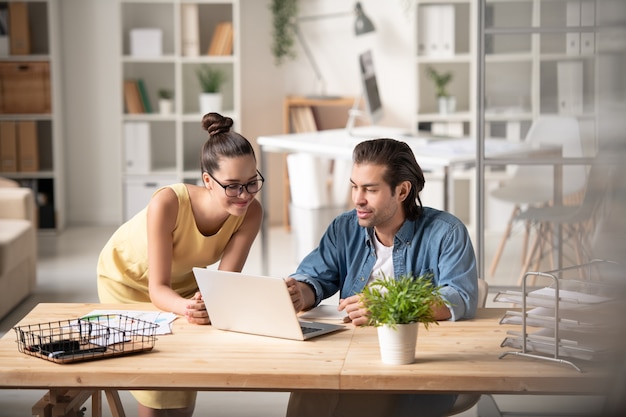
<point x="215" y="123"/>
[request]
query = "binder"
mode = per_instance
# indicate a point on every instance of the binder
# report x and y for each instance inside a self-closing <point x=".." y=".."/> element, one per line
<point x="587" y="18"/>
<point x="27" y="146"/>
<point x="8" y="146"/>
<point x="436" y="29"/>
<point x="138" y="154"/>
<point x="190" y="29"/>
<point x="19" y="31"/>
<point x="572" y="18"/>
<point x="570" y="87"/>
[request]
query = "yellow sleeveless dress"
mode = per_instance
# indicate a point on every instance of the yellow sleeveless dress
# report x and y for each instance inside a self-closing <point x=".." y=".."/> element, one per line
<point x="123" y="271"/>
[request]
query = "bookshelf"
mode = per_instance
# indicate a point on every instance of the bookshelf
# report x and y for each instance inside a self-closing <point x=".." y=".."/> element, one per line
<point x="31" y="129"/>
<point x="527" y="51"/>
<point x="304" y="114"/>
<point x="172" y="142"/>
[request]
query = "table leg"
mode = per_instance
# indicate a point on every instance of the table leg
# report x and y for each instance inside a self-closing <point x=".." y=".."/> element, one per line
<point x="115" y="404"/>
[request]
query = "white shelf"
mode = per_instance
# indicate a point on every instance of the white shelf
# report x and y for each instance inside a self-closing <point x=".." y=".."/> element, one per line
<point x="176" y="139"/>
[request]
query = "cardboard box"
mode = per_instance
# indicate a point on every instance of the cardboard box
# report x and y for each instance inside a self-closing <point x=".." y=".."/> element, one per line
<point x="25" y="87"/>
<point x="146" y="42"/>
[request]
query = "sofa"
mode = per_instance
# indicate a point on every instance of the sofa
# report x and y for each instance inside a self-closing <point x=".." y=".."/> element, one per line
<point x="18" y="244"/>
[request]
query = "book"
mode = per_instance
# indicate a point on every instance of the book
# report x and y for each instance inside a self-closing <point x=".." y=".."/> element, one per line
<point x="190" y="29"/>
<point x="8" y="146"/>
<point x="143" y="93"/>
<point x="19" y="31"/>
<point x="302" y="119"/>
<point x="132" y="97"/>
<point x="222" y="40"/>
<point x="27" y="146"/>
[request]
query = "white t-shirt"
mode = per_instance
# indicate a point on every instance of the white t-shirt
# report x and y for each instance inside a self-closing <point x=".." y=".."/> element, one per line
<point x="384" y="261"/>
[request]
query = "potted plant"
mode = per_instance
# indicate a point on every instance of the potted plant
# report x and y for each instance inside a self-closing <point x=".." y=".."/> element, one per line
<point x="211" y="80"/>
<point x="396" y="307"/>
<point x="166" y="104"/>
<point x="447" y="103"/>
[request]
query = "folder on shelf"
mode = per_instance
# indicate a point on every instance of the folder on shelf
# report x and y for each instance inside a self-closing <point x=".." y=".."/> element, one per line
<point x="19" y="31"/>
<point x="137" y="149"/>
<point x="587" y="18"/>
<point x="27" y="146"/>
<point x="436" y="27"/>
<point x="190" y="29"/>
<point x="570" y="87"/>
<point x="572" y="18"/>
<point x="132" y="97"/>
<point x="8" y="146"/>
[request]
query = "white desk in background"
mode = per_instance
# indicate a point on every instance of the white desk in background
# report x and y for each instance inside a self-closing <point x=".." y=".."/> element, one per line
<point x="431" y="154"/>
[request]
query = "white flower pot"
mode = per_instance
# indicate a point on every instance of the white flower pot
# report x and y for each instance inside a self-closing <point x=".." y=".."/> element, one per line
<point x="447" y="104"/>
<point x="397" y="346"/>
<point x="210" y="102"/>
<point x="166" y="106"/>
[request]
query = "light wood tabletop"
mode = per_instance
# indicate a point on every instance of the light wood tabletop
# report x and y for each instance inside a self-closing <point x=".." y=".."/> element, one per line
<point x="453" y="356"/>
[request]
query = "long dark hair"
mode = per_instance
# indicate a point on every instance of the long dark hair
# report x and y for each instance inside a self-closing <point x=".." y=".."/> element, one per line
<point x="400" y="165"/>
<point x="222" y="142"/>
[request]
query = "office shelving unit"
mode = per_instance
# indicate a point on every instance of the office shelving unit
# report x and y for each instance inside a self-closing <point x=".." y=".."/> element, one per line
<point x="175" y="139"/>
<point x="47" y="180"/>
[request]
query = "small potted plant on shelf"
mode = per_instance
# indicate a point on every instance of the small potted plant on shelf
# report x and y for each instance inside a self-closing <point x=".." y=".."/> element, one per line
<point x="211" y="80"/>
<point x="166" y="104"/>
<point x="396" y="307"/>
<point x="446" y="102"/>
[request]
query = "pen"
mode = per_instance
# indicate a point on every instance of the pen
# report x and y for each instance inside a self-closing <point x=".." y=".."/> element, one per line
<point x="63" y="353"/>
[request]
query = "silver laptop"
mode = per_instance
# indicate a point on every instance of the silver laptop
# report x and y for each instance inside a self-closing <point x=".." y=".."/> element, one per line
<point x="254" y="304"/>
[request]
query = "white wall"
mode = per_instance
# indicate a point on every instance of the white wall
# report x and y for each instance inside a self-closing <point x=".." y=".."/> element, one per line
<point x="92" y="108"/>
<point x="92" y="93"/>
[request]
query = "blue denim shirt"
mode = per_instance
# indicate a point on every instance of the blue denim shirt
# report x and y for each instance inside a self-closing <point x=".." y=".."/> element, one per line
<point x="436" y="242"/>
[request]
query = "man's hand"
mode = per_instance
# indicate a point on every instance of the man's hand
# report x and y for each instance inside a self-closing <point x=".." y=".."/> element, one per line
<point x="196" y="311"/>
<point x="295" y="292"/>
<point x="355" y="312"/>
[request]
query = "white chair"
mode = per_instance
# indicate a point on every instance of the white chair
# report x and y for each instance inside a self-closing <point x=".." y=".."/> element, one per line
<point x="532" y="185"/>
<point x="466" y="401"/>
<point x="577" y="223"/>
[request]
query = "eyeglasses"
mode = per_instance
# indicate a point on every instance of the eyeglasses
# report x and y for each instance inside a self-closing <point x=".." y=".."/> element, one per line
<point x="235" y="190"/>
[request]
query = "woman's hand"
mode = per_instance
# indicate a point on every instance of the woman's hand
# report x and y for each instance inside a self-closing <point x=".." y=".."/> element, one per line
<point x="355" y="312"/>
<point x="196" y="310"/>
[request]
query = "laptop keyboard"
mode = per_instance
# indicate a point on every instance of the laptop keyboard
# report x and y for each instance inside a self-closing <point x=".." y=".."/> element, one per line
<point x="306" y="329"/>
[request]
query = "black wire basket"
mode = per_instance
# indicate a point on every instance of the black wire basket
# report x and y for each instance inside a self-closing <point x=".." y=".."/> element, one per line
<point x="83" y="339"/>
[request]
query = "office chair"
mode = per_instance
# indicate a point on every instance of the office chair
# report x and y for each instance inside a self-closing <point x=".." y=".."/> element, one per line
<point x="532" y="185"/>
<point x="466" y="401"/>
<point x="577" y="224"/>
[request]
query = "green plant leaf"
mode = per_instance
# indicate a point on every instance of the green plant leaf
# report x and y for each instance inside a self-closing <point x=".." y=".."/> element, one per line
<point x="210" y="78"/>
<point x="402" y="300"/>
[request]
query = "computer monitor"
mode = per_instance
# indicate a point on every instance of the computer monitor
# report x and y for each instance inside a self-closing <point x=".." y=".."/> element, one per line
<point x="369" y="92"/>
<point x="373" y="105"/>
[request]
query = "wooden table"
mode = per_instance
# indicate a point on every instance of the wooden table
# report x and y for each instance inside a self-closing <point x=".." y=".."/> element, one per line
<point x="451" y="357"/>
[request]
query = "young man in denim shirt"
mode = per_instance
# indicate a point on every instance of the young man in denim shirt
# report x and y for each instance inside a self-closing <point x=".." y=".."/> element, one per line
<point x="388" y="233"/>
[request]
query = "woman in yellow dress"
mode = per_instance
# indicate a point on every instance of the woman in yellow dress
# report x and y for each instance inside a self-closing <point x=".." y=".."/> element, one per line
<point x="151" y="256"/>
